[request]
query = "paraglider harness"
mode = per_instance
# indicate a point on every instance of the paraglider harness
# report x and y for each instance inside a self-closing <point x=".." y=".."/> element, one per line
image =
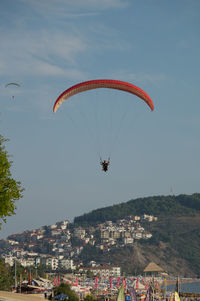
<point x="105" y="164"/>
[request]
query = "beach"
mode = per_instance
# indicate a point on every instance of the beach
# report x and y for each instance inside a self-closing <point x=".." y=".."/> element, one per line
<point x="8" y="296"/>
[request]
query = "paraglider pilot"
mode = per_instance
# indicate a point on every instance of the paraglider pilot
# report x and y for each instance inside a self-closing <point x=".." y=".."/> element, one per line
<point x="105" y="164"/>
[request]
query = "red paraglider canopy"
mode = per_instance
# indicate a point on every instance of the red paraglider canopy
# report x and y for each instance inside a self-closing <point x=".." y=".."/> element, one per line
<point x="103" y="83"/>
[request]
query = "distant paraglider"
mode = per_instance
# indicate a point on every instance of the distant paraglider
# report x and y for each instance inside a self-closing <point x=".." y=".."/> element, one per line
<point x="12" y="84"/>
<point x="103" y="83"/>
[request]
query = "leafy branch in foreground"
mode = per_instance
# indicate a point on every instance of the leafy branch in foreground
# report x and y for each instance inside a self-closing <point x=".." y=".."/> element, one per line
<point x="10" y="189"/>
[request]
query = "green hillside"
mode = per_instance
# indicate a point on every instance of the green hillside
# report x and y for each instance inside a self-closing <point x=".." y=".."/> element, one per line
<point x="175" y="243"/>
<point x="156" y="205"/>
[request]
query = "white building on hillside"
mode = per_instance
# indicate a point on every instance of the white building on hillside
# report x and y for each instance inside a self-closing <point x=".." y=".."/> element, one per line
<point x="67" y="264"/>
<point x="52" y="263"/>
<point x="104" y="271"/>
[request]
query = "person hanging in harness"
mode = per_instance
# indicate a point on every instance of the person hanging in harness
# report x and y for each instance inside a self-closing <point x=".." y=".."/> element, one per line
<point x="105" y="164"/>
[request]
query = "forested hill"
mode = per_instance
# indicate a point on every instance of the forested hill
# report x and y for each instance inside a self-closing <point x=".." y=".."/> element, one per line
<point x="175" y="240"/>
<point x="156" y="205"/>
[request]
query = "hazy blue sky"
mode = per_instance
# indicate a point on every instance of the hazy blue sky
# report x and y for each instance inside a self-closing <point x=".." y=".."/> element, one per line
<point x="49" y="45"/>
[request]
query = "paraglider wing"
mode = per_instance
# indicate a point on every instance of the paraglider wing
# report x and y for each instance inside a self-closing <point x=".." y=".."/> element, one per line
<point x="11" y="84"/>
<point x="103" y="83"/>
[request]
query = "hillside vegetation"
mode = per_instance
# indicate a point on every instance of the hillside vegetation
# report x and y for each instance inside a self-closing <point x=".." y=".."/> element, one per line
<point x="156" y="205"/>
<point x="175" y="243"/>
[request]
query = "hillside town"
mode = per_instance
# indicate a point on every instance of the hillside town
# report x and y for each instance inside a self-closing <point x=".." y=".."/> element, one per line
<point x="59" y="245"/>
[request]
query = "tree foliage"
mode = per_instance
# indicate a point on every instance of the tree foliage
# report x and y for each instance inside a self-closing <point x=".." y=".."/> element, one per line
<point x="66" y="289"/>
<point x="6" y="279"/>
<point x="10" y="189"/>
<point x="90" y="298"/>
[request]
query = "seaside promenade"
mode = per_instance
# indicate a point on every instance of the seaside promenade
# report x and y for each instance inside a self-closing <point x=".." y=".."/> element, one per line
<point x="8" y="296"/>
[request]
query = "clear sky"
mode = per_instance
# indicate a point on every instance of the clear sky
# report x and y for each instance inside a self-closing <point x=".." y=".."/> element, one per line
<point x="49" y="45"/>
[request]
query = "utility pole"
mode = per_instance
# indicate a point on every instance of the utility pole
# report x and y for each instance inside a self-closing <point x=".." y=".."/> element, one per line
<point x="165" y="288"/>
<point x="15" y="274"/>
<point x="20" y="283"/>
<point x="153" y="288"/>
<point x="178" y="284"/>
